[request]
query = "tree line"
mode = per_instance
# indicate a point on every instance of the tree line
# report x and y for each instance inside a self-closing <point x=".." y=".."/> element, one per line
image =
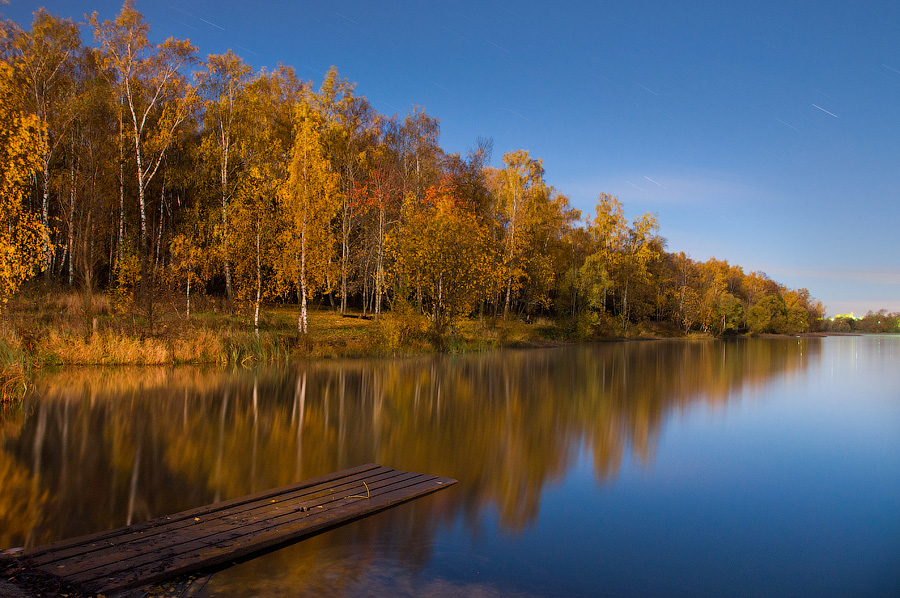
<point x="142" y="169"/>
<point x="881" y="321"/>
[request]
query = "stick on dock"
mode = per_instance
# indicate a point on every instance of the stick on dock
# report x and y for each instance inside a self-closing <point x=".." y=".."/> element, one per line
<point x="161" y="549"/>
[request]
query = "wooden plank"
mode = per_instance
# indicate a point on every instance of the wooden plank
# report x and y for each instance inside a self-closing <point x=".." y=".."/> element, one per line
<point x="228" y="532"/>
<point x="135" y="548"/>
<point x="163" y="526"/>
<point x="188" y="515"/>
<point x="206" y="555"/>
<point x="136" y="545"/>
<point x="224" y="533"/>
<point x="215" y="535"/>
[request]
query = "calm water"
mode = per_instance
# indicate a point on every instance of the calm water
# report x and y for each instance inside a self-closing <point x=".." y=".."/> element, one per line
<point x="755" y="467"/>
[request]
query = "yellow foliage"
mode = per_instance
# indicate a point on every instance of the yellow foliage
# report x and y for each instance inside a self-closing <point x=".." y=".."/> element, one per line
<point x="22" y="236"/>
<point x="309" y="199"/>
<point x="448" y="254"/>
<point x="128" y="273"/>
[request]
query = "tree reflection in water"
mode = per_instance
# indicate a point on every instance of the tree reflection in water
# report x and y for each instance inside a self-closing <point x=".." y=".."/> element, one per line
<point x="94" y="449"/>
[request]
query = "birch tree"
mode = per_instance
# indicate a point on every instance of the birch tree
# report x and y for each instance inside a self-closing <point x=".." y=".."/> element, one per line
<point x="45" y="60"/>
<point x="156" y="98"/>
<point x="221" y="83"/>
<point x="380" y="200"/>
<point x="22" y="236"/>
<point x="607" y="235"/>
<point x="520" y="187"/>
<point x="630" y="265"/>
<point x="351" y="132"/>
<point x="309" y="201"/>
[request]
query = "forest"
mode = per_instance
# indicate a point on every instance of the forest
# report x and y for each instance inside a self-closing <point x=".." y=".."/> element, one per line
<point x="145" y="172"/>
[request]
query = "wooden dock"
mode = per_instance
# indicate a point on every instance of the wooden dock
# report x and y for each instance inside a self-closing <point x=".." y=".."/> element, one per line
<point x="205" y="538"/>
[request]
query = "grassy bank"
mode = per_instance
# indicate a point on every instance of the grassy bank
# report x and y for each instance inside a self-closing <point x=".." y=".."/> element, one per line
<point x="45" y="327"/>
<point x="42" y="327"/>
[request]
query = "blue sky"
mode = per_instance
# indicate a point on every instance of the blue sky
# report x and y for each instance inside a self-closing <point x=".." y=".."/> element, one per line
<point x="764" y="133"/>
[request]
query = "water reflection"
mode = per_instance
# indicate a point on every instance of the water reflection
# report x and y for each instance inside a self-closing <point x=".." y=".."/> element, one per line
<point x="95" y="449"/>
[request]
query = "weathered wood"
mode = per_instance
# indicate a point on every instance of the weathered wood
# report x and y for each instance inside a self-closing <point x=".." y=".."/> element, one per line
<point x="199" y="518"/>
<point x="275" y="521"/>
<point x="115" y="561"/>
<point x="189" y="515"/>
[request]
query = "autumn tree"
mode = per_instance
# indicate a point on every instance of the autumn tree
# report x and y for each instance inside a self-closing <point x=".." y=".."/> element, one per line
<point x="268" y="108"/>
<point x="186" y="254"/>
<point x="803" y="312"/>
<point x="757" y="285"/>
<point x="353" y="127"/>
<point x="415" y="143"/>
<point x="447" y="253"/>
<point x="471" y="175"/>
<point x="380" y="200"/>
<point x="309" y="200"/>
<point x="560" y="241"/>
<point x="690" y="306"/>
<point x="188" y="250"/>
<point x="155" y="95"/>
<point x="879" y="322"/>
<point x="473" y="185"/>
<point x="570" y="299"/>
<point x="729" y="313"/>
<point x="22" y="235"/>
<point x="86" y="189"/>
<point x="277" y="189"/>
<point x="45" y="60"/>
<point x="769" y="314"/>
<point x="631" y="265"/>
<point x="520" y="192"/>
<point x="606" y="236"/>
<point x="549" y="217"/>
<point x="221" y="84"/>
<point x="622" y="258"/>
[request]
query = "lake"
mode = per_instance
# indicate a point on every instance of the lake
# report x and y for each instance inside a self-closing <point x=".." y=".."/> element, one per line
<point x="745" y="467"/>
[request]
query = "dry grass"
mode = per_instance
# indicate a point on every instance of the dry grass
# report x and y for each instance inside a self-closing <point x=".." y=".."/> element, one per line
<point x="13" y="383"/>
<point x="13" y="379"/>
<point x="49" y="326"/>
<point x="53" y="327"/>
<point x="102" y="349"/>
<point x="201" y="346"/>
<point x="73" y="303"/>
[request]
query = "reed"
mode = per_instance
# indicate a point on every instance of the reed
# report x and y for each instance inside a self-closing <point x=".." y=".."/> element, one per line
<point x="13" y="367"/>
